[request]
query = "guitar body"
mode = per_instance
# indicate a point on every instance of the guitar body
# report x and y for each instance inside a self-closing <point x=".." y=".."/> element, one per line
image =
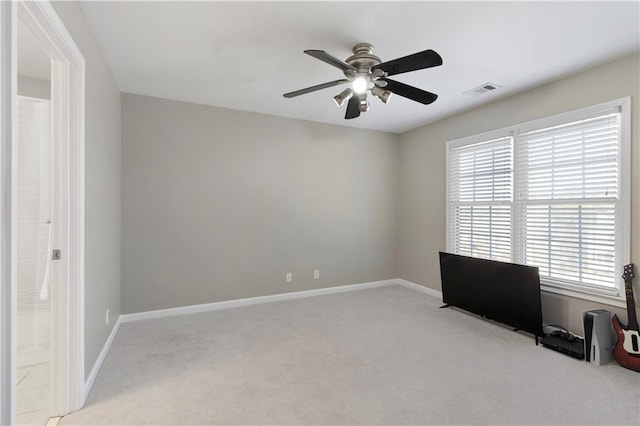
<point x="620" y="354"/>
<point x="627" y="350"/>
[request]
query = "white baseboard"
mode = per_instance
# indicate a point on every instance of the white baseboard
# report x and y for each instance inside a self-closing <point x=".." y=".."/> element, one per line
<point x="421" y="288"/>
<point x="98" y="364"/>
<point x="192" y="309"/>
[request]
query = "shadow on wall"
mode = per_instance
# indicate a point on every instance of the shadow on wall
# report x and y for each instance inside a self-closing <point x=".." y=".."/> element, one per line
<point x="555" y="309"/>
<point x="567" y="311"/>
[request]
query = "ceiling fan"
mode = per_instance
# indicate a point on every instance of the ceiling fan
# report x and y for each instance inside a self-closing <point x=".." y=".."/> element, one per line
<point x="367" y="73"/>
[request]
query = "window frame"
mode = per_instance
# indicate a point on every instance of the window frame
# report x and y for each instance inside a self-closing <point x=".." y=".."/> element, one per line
<point x="623" y="231"/>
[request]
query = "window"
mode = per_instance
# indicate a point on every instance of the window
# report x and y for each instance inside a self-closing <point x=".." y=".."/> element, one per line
<point x="552" y="193"/>
<point x="481" y="199"/>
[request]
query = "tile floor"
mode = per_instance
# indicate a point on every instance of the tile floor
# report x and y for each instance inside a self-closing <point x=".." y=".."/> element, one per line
<point x="33" y="374"/>
<point x="33" y="396"/>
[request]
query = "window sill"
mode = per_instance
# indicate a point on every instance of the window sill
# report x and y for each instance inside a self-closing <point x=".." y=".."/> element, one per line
<point x="617" y="301"/>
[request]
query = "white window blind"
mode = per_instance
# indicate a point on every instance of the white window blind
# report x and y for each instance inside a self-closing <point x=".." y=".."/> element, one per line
<point x="552" y="193"/>
<point x="480" y="194"/>
<point x="567" y="200"/>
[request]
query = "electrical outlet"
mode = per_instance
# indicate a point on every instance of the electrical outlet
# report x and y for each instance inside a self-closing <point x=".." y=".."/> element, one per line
<point x="106" y="317"/>
<point x="316" y="274"/>
<point x="289" y="277"/>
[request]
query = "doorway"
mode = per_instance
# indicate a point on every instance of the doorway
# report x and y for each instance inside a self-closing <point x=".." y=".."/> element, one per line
<point x="55" y="290"/>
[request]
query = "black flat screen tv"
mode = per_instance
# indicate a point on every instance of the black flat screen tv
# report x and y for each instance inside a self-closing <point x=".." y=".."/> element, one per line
<point x="504" y="292"/>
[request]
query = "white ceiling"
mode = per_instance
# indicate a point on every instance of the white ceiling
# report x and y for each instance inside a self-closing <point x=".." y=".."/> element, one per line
<point x="245" y="55"/>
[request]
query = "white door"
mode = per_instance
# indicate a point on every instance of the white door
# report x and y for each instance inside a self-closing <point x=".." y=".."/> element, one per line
<point x="35" y="233"/>
<point x="35" y="223"/>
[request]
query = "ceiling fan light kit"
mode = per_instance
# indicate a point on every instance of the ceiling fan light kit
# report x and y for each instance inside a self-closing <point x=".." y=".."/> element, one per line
<point x="367" y="73"/>
<point x="381" y="94"/>
<point x="343" y="97"/>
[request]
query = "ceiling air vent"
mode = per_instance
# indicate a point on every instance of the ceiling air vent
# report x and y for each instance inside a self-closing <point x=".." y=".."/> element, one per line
<point x="484" y="88"/>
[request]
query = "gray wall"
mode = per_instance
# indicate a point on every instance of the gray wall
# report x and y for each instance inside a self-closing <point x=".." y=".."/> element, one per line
<point x="219" y="204"/>
<point x="102" y="185"/>
<point x="34" y="87"/>
<point x="422" y="171"/>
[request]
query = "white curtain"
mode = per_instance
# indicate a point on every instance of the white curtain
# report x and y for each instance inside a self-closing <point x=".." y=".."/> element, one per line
<point x="34" y="210"/>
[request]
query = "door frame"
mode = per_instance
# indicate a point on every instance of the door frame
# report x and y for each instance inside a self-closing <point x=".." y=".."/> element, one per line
<point x="68" y="112"/>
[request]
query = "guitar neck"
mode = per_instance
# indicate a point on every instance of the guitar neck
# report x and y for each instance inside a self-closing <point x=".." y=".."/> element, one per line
<point x="631" y="307"/>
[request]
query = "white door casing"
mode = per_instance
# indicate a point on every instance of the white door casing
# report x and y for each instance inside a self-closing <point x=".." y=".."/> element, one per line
<point x="8" y="84"/>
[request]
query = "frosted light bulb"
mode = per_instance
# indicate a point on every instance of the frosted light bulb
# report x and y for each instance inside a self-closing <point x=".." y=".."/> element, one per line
<point x="360" y="85"/>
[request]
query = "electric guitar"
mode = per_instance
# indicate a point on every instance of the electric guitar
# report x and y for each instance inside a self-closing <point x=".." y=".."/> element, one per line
<point x="627" y="350"/>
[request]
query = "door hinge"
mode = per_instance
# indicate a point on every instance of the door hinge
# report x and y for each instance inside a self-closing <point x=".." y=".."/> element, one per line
<point x="56" y="254"/>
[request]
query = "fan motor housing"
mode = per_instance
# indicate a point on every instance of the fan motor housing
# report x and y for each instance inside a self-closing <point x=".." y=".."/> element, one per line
<point x="363" y="58"/>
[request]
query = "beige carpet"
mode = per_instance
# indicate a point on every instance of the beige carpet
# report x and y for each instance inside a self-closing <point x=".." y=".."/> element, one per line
<point x="380" y="356"/>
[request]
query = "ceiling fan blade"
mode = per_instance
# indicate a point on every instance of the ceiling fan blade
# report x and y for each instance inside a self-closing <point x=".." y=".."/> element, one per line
<point x="314" y="88"/>
<point x="410" y="92"/>
<point x="331" y="60"/>
<point x="353" y="108"/>
<point x="417" y="61"/>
